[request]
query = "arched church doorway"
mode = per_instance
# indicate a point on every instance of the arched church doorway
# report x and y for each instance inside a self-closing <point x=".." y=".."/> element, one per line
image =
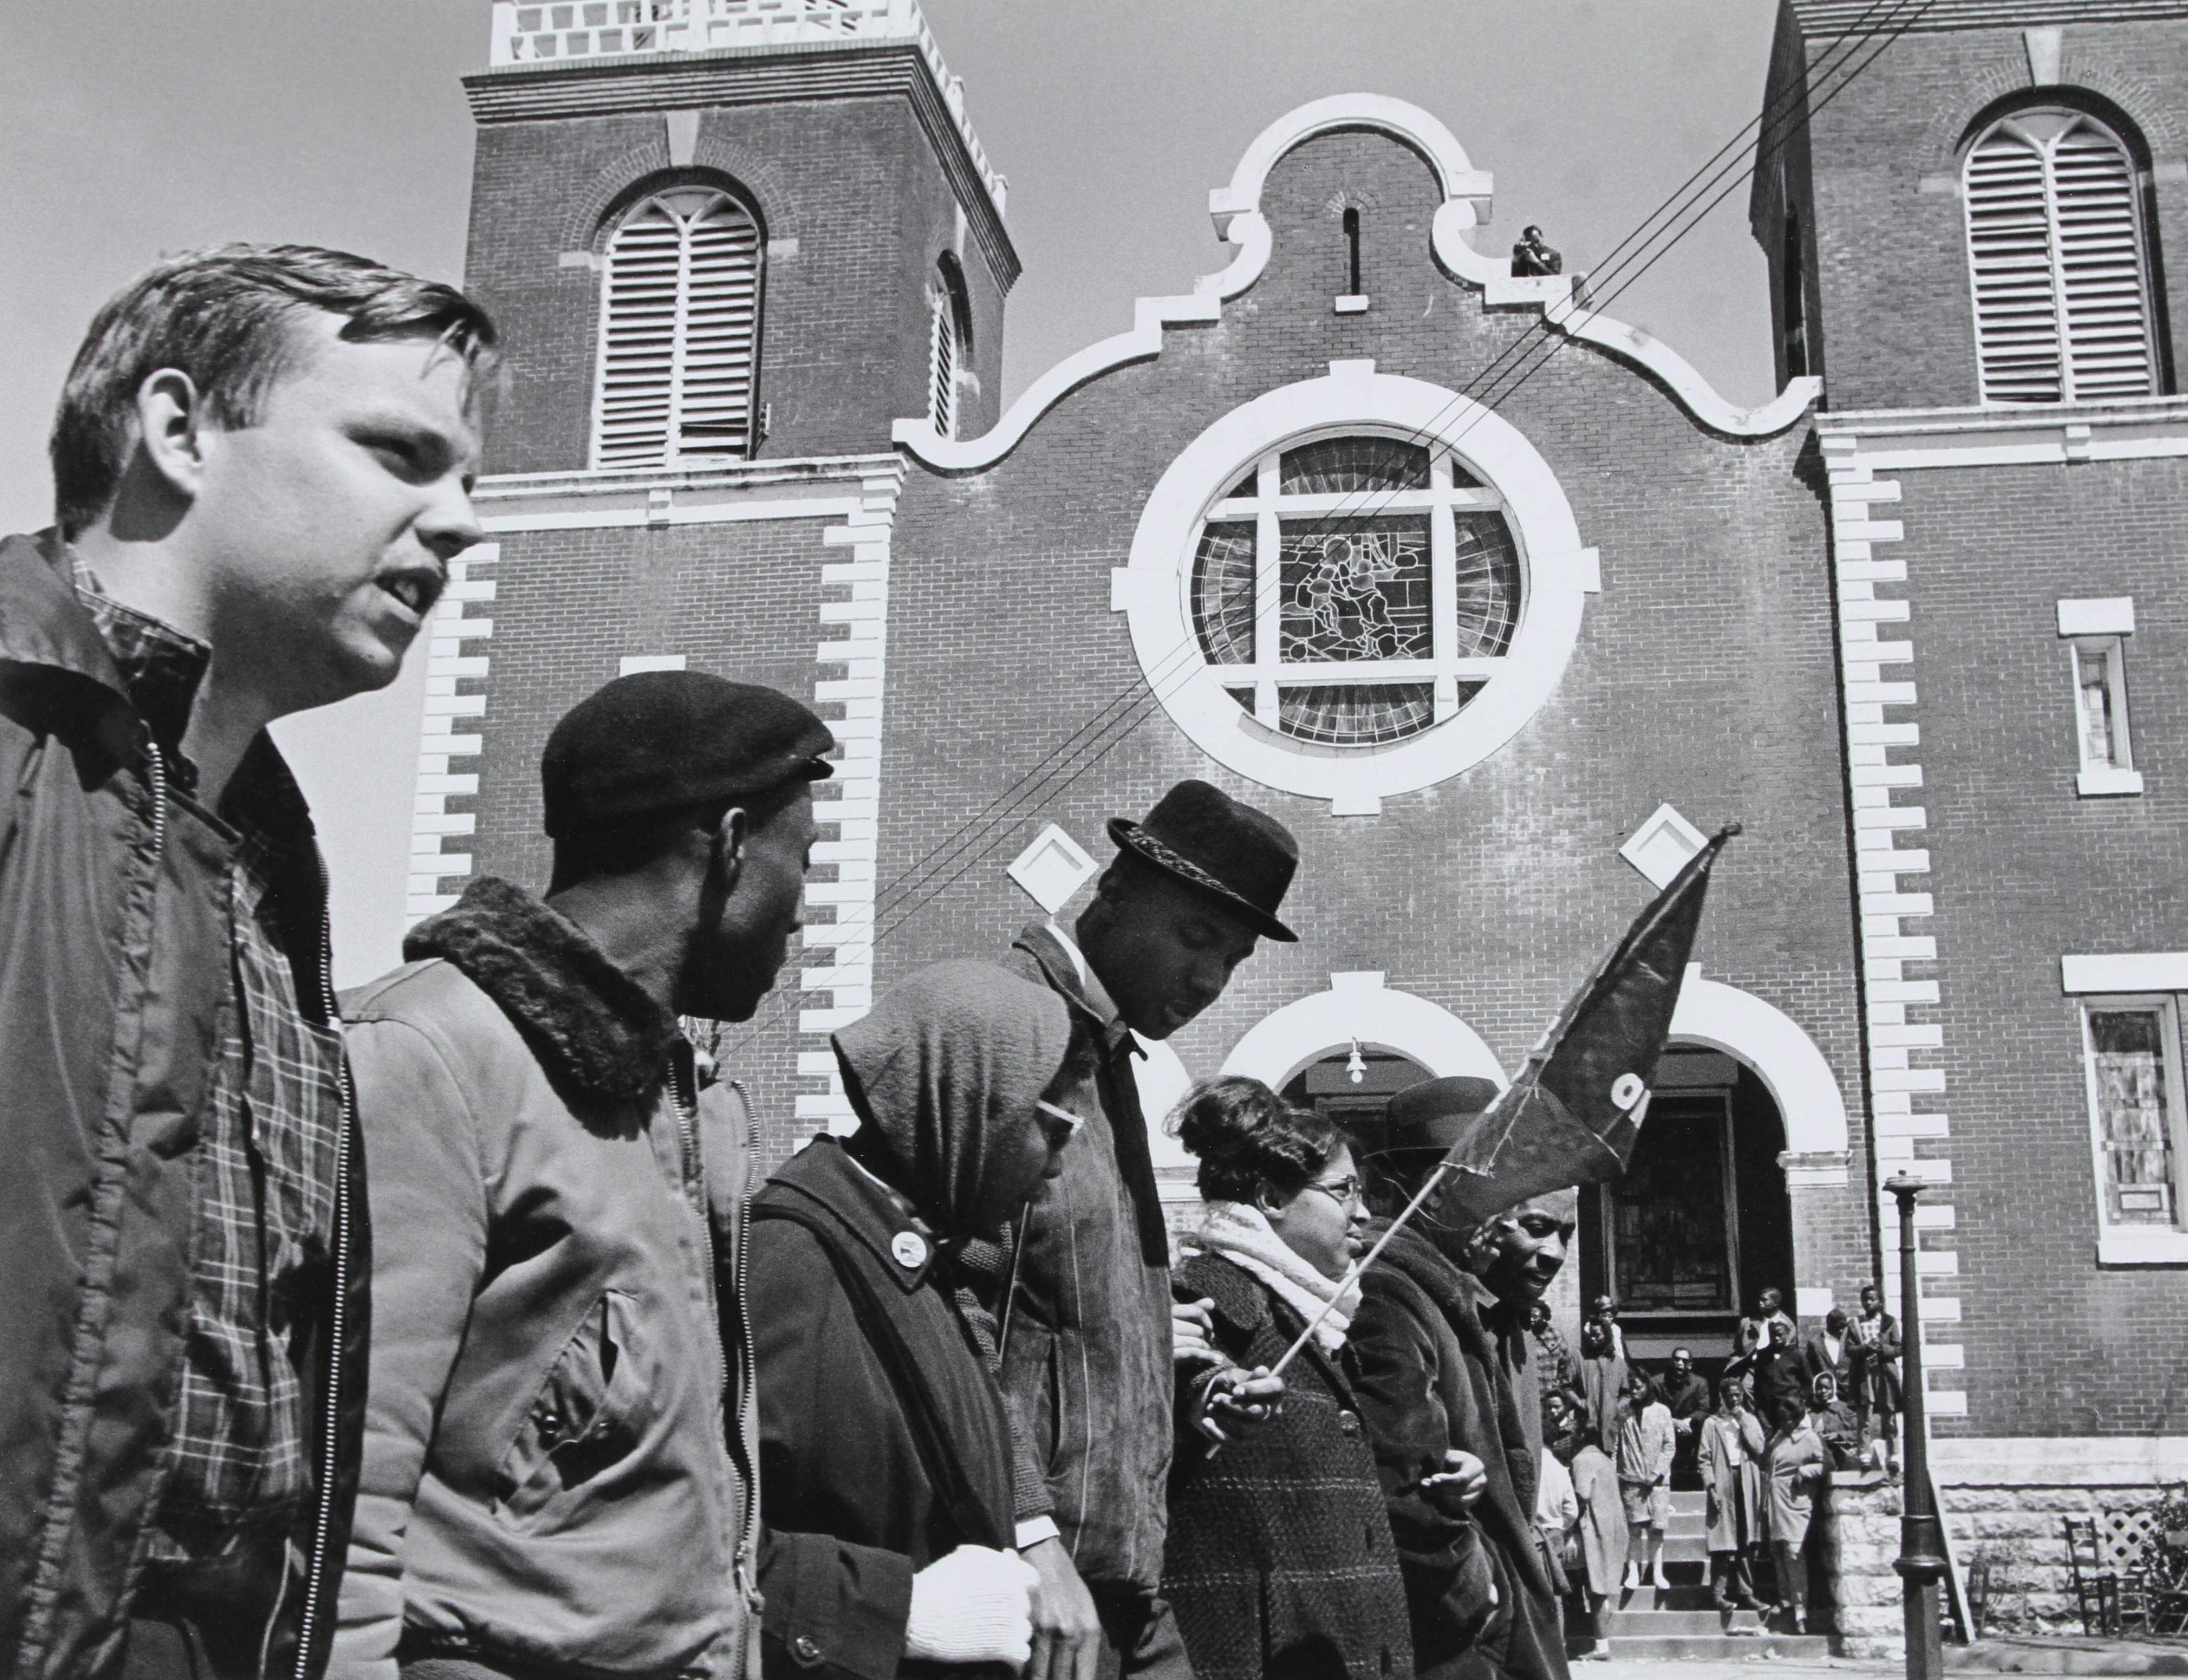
<point x="1701" y="1222"/>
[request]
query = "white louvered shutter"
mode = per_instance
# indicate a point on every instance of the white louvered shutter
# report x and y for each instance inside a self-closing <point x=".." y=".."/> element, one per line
<point x="681" y="317"/>
<point x="2009" y="251"/>
<point x="2056" y="252"/>
<point x="942" y="396"/>
<point x="2100" y="265"/>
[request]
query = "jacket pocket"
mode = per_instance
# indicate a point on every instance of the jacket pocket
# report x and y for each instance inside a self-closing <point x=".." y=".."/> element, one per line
<point x="588" y="1416"/>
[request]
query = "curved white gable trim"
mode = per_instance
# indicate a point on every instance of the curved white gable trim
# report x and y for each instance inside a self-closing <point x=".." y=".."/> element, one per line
<point x="1771" y="1042"/>
<point x="1357" y="1005"/>
<point x="1153" y="590"/>
<point x="1236" y="210"/>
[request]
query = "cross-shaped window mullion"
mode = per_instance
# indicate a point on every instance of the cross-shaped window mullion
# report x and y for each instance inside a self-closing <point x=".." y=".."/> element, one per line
<point x="1267" y="507"/>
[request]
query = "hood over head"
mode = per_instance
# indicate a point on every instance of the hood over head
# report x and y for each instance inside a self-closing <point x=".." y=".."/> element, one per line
<point x="940" y="1071"/>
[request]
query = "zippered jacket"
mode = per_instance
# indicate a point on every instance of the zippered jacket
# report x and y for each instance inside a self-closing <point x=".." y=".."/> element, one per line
<point x="1088" y="1359"/>
<point x="115" y="971"/>
<point x="561" y="1429"/>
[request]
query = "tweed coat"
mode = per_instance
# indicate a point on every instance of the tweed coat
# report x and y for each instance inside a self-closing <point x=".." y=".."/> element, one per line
<point x="1435" y="1372"/>
<point x="1279" y="1560"/>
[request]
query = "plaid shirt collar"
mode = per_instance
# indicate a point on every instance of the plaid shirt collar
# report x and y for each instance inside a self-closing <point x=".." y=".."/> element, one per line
<point x="161" y="669"/>
<point x="160" y="666"/>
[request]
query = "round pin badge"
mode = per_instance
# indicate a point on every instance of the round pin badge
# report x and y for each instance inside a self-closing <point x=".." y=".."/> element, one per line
<point x="910" y="1249"/>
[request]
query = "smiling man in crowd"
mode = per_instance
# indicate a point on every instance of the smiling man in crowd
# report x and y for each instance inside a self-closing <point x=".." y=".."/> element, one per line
<point x="1089" y="1350"/>
<point x="1449" y="1393"/>
<point x="261" y="465"/>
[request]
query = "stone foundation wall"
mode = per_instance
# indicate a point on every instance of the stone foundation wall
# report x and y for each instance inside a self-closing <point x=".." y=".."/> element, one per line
<point x="2007" y="1542"/>
<point x="2017" y="1532"/>
<point x="1852" y="1539"/>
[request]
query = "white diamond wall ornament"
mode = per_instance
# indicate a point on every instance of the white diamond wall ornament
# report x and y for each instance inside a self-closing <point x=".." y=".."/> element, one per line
<point x="1661" y="846"/>
<point x="1051" y="869"/>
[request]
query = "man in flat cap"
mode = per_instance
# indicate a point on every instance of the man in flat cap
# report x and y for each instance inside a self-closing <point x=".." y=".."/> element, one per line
<point x="1448" y="1393"/>
<point x="1089" y="1347"/>
<point x="560" y="1438"/>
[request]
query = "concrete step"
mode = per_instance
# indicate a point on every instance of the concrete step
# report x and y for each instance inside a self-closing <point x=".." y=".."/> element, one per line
<point x="1720" y="1648"/>
<point x="1679" y="1596"/>
<point x="1662" y="1622"/>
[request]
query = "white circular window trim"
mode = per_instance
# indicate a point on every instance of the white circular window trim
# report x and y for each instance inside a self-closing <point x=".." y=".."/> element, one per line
<point x="1155" y="590"/>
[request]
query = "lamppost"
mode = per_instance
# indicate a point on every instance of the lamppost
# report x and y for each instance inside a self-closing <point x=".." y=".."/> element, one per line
<point x="1922" y="1564"/>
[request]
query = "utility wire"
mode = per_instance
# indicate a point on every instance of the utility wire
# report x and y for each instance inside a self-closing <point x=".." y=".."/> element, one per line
<point x="1105" y="730"/>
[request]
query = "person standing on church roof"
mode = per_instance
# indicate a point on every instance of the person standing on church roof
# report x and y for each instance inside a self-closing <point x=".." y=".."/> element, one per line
<point x="1092" y="1337"/>
<point x="561" y="1433"/>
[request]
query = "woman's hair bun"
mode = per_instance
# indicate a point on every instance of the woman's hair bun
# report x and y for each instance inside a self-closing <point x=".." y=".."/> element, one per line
<point x="1249" y="1139"/>
<point x="1218" y="1117"/>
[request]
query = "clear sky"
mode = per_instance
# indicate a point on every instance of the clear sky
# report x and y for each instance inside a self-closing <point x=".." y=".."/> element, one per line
<point x="141" y="126"/>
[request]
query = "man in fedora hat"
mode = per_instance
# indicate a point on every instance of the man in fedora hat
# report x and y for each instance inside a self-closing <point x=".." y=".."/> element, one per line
<point x="1089" y="1347"/>
<point x="1446" y="1378"/>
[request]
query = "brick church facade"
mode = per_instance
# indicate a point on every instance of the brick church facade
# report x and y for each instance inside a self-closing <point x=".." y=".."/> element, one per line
<point x="1491" y="598"/>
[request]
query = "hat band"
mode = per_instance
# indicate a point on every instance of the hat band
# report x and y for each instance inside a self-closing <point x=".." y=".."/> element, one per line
<point x="1179" y="864"/>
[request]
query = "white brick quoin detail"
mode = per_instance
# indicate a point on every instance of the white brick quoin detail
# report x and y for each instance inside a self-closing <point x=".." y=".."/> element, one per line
<point x="850" y="800"/>
<point x="1877" y="653"/>
<point x="447" y="664"/>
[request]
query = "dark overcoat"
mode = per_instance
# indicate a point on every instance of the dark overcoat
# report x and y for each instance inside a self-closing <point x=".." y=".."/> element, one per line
<point x="1279" y="1561"/>
<point x="850" y="1508"/>
<point x="1433" y="1376"/>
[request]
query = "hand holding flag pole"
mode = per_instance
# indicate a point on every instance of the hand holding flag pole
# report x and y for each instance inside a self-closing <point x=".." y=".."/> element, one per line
<point x="1574" y="1113"/>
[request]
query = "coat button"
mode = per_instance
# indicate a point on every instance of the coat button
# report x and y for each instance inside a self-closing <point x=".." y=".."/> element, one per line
<point x="805" y="1650"/>
<point x="1349" y="1421"/>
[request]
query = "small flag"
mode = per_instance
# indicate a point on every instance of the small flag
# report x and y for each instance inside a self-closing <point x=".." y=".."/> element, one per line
<point x="1574" y="1113"/>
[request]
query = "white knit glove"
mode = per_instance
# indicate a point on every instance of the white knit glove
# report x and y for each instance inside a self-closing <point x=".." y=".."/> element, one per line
<point x="975" y="1605"/>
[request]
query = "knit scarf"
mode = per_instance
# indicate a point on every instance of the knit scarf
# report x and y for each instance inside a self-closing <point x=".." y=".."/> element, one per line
<point x="1240" y="1233"/>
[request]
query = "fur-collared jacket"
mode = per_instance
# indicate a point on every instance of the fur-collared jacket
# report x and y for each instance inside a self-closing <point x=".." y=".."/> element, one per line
<point x="562" y="1430"/>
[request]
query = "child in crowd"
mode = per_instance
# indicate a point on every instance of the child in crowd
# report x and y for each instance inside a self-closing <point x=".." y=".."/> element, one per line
<point x="1602" y="1531"/>
<point x="1646" y="1442"/>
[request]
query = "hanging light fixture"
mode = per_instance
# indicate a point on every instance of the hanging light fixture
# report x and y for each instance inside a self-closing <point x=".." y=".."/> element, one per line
<point x="1355" y="1065"/>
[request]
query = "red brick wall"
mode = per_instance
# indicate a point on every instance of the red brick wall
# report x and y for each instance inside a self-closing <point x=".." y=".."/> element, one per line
<point x="738" y="600"/>
<point x="2024" y="872"/>
<point x="1704" y="673"/>
<point x="1882" y="191"/>
<point x="854" y="181"/>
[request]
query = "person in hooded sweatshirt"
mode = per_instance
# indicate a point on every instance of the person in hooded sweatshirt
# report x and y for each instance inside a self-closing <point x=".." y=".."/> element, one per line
<point x="892" y="1487"/>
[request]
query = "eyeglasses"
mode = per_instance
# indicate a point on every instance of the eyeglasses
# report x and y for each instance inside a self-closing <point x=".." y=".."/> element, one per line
<point x="1345" y="1191"/>
<point x="1070" y="1122"/>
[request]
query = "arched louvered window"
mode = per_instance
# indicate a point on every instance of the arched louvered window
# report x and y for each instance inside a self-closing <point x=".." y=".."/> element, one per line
<point x="2058" y="254"/>
<point x="947" y="343"/>
<point x="679" y="331"/>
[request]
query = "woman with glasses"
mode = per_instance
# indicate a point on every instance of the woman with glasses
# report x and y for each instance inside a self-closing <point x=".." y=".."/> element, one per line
<point x="1280" y="1561"/>
<point x="895" y="1496"/>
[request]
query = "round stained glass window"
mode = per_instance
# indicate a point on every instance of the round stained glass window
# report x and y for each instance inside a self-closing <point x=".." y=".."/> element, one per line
<point x="1354" y="591"/>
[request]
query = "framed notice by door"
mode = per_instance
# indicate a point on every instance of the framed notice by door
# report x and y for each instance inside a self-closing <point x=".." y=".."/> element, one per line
<point x="1672" y="1223"/>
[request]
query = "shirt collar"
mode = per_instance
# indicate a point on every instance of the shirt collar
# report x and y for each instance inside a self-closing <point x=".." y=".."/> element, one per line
<point x="160" y="666"/>
<point x="1074" y="979"/>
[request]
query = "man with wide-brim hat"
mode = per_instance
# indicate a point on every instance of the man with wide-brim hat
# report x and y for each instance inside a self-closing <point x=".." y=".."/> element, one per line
<point x="1089" y="1350"/>
<point x="1448" y="1395"/>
